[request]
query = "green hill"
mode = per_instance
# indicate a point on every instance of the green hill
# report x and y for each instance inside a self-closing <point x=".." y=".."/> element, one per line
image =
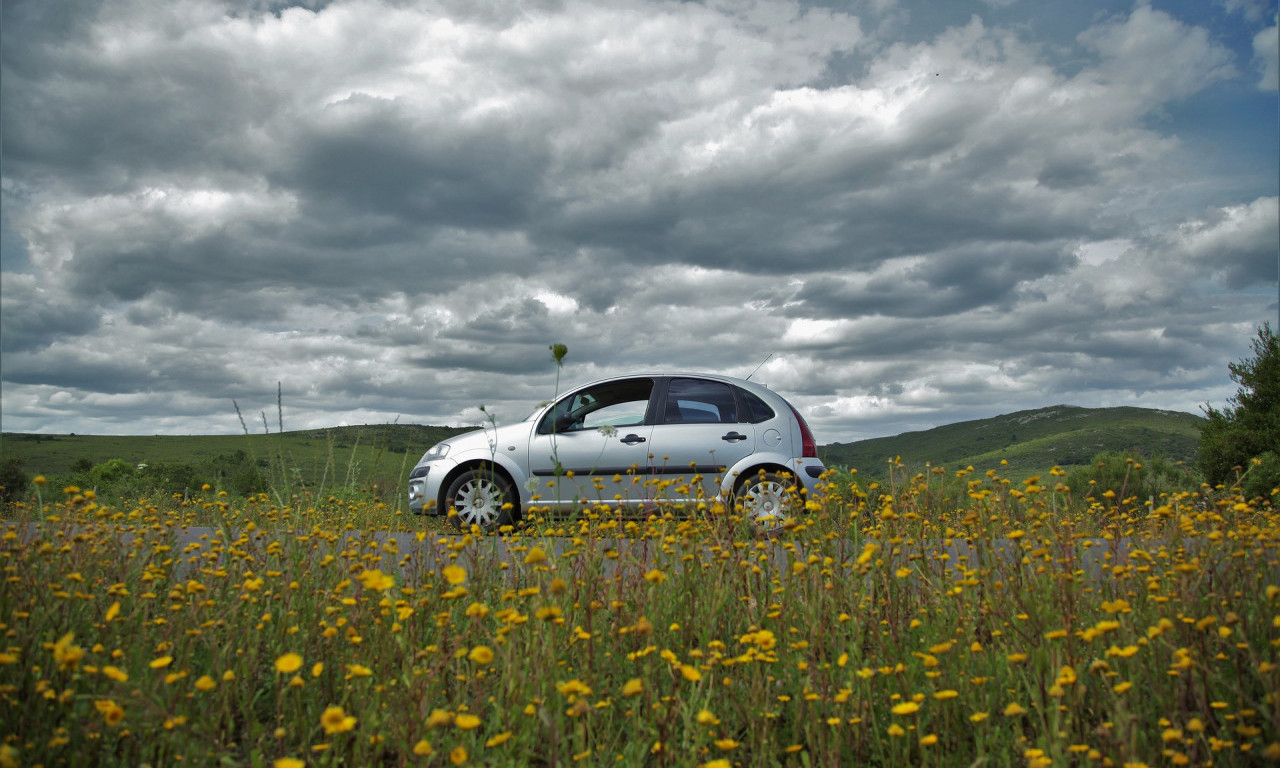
<point x="1032" y="442"/>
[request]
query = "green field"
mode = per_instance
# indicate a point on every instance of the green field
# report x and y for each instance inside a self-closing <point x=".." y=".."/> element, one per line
<point x="309" y="450"/>
<point x="316" y="460"/>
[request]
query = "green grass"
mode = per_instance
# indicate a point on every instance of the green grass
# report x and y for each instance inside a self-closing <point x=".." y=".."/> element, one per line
<point x="1031" y="442"/>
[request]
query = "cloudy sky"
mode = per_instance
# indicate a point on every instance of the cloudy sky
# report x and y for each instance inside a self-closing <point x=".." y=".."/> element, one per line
<point x="925" y="212"/>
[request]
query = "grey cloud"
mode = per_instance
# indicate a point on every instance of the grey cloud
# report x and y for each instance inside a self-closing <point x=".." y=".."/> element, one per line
<point x="919" y="217"/>
<point x="943" y="284"/>
<point x="426" y="172"/>
<point x="36" y="316"/>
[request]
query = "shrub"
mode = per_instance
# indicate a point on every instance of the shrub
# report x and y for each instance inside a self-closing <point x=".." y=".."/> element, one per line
<point x="238" y="472"/>
<point x="13" y="481"/>
<point x="170" y="476"/>
<point x="112" y="472"/>
<point x="1263" y="477"/>
<point x="1129" y="476"/>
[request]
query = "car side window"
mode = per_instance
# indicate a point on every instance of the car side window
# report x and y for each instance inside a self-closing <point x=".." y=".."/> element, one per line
<point x="615" y="403"/>
<point x="754" y="409"/>
<point x="696" y="401"/>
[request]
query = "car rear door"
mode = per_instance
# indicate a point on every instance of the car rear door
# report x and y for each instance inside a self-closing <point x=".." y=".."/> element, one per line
<point x="699" y="434"/>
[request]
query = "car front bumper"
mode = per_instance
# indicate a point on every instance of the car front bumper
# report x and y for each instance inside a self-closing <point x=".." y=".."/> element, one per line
<point x="424" y="486"/>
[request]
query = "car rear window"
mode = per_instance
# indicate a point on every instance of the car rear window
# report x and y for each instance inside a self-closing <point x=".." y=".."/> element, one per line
<point x="755" y="409"/>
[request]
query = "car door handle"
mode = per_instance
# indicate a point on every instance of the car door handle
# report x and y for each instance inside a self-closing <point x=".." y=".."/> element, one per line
<point x="632" y="439"/>
<point x="733" y="437"/>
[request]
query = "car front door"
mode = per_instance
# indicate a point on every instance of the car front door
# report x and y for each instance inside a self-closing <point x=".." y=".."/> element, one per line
<point x="593" y="446"/>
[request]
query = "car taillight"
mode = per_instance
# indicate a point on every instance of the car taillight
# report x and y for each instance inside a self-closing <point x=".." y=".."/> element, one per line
<point x="809" y="447"/>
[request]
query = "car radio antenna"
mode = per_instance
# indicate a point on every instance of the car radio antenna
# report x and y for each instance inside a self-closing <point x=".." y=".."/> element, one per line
<point x="758" y="367"/>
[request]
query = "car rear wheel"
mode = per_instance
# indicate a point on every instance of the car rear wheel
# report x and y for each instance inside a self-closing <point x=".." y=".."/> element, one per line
<point x="765" y="499"/>
<point x="479" y="497"/>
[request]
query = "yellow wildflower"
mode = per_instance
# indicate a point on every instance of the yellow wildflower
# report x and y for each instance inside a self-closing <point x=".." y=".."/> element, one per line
<point x="454" y="574"/>
<point x="66" y="652"/>
<point x="499" y="739"/>
<point x="376" y="580"/>
<point x="573" y="688"/>
<point x="119" y="675"/>
<point x="335" y="720"/>
<point x="112" y="712"/>
<point x="439" y="718"/>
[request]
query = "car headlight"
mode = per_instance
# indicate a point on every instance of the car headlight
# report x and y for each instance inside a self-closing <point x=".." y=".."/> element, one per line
<point x="437" y="451"/>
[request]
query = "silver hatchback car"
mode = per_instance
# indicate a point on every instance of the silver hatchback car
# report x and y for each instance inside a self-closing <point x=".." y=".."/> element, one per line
<point x="629" y="441"/>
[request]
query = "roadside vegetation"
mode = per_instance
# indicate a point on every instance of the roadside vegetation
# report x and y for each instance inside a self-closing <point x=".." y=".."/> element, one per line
<point x="1124" y="614"/>
<point x="1019" y="625"/>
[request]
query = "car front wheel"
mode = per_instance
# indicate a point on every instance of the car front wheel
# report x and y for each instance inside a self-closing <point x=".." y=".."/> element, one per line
<point x="766" y="499"/>
<point x="479" y="497"/>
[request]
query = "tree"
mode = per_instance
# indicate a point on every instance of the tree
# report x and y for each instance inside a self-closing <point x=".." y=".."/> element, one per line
<point x="1250" y="425"/>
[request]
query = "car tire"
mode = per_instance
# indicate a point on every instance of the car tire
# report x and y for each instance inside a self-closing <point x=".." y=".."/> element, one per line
<point x="764" y="499"/>
<point x="479" y="496"/>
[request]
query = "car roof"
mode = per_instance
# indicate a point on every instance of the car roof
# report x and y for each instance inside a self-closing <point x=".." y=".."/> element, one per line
<point x="679" y="374"/>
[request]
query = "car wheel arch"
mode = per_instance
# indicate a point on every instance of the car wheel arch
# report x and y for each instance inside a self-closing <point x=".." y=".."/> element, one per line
<point x="734" y="478"/>
<point x="476" y="464"/>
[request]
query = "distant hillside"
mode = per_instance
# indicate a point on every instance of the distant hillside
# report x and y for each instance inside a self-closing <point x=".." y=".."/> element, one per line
<point x="384" y="448"/>
<point x="1032" y="442"/>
